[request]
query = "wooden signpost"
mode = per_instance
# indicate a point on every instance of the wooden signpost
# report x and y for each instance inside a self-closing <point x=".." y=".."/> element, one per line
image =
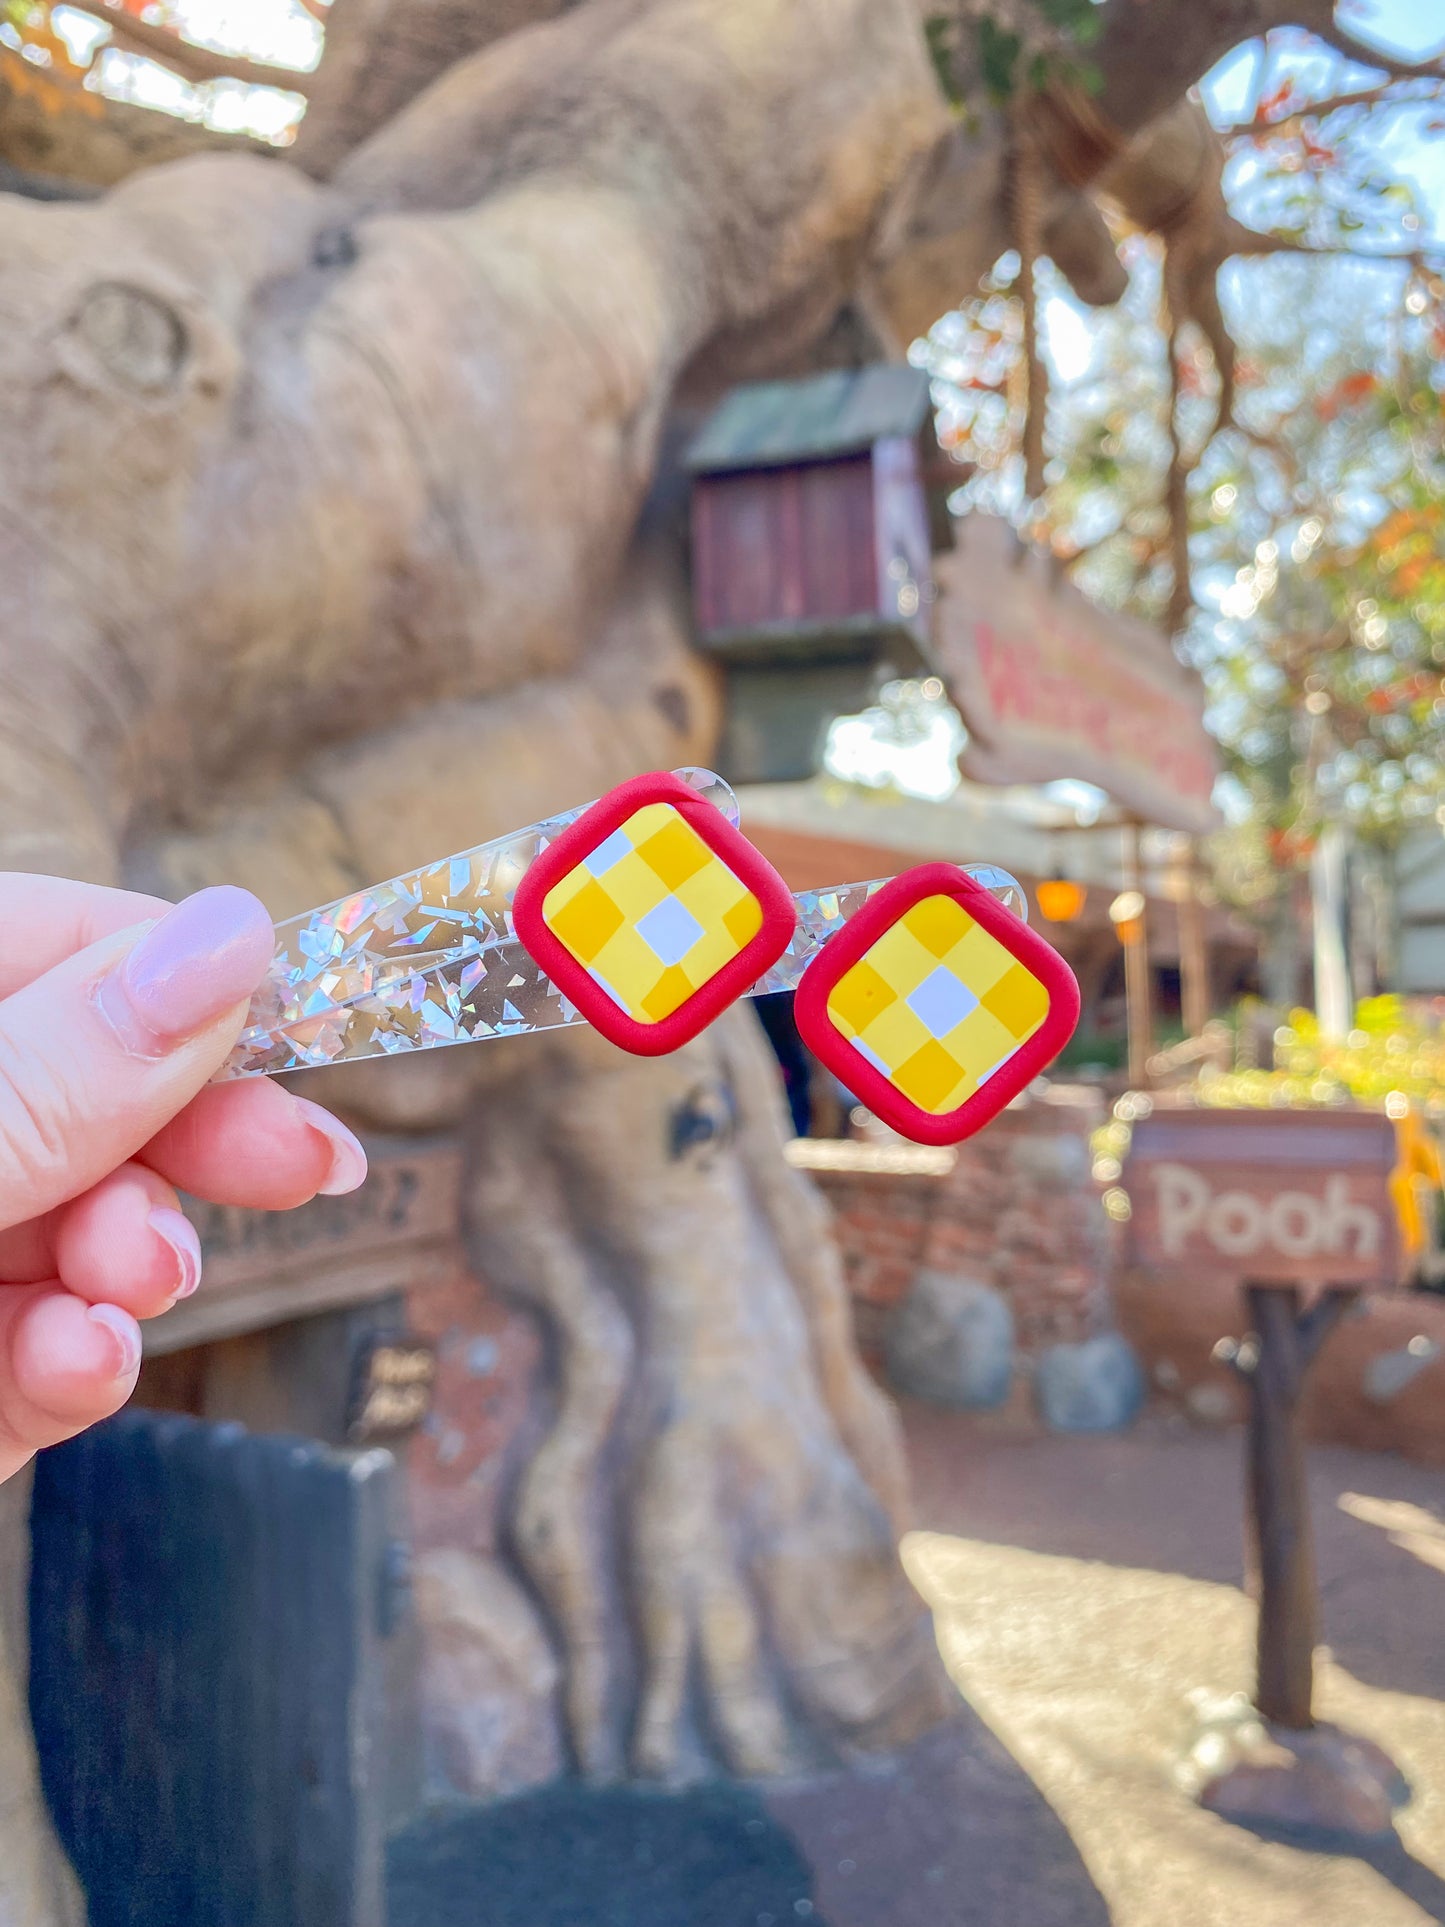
<point x="1294" y="1208"/>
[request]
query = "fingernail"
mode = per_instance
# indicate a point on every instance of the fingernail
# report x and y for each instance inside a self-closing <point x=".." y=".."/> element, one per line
<point x="348" y="1160"/>
<point x="125" y="1335"/>
<point x="175" y="1229"/>
<point x="201" y="960"/>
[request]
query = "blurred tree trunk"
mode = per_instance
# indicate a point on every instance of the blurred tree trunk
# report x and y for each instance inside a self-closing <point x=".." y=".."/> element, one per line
<point x="1282" y="953"/>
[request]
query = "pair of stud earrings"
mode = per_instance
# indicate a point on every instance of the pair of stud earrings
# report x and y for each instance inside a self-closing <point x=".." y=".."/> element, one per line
<point x="646" y="914"/>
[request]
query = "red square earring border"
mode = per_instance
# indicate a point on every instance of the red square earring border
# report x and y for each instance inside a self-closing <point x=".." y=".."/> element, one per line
<point x="848" y="945"/>
<point x="579" y="840"/>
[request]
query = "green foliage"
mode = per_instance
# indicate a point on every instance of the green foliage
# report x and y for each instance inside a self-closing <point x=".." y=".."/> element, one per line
<point x="1317" y="555"/>
<point x="1029" y="48"/>
<point x="939" y="33"/>
<point x="1394" y="1047"/>
<point x="1316" y="517"/>
<point x="998" y="57"/>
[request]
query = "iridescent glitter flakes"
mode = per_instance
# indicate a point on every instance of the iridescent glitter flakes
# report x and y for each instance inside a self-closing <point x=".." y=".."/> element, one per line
<point x="433" y="957"/>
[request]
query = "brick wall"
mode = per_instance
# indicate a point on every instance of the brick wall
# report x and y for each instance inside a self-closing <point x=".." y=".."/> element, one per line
<point x="1014" y="1207"/>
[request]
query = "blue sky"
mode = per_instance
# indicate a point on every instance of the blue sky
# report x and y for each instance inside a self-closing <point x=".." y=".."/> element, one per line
<point x="1413" y="28"/>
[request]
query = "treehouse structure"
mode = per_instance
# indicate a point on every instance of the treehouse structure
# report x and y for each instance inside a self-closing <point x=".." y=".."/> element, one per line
<point x="816" y="508"/>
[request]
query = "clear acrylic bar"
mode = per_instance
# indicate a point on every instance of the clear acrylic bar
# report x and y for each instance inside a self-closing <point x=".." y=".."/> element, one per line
<point x="431" y="958"/>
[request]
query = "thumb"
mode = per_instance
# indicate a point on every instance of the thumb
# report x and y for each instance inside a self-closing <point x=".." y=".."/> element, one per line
<point x="100" y="1052"/>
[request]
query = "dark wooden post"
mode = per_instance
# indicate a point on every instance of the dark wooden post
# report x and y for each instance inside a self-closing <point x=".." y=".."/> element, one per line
<point x="1275" y="1360"/>
<point x="1138" y="987"/>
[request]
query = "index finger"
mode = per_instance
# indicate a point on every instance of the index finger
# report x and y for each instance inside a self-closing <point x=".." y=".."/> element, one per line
<point x="44" y="920"/>
<point x="103" y="1050"/>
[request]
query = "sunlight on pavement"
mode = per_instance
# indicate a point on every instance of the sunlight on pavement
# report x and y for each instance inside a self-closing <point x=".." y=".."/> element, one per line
<point x="1083" y="1671"/>
<point x="1410" y="1527"/>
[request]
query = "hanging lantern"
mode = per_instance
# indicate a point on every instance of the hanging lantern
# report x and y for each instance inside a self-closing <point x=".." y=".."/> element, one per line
<point x="1060" y="899"/>
<point x="1126" y="913"/>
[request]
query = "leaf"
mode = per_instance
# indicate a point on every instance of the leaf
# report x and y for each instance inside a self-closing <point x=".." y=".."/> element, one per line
<point x="998" y="54"/>
<point x="938" y="35"/>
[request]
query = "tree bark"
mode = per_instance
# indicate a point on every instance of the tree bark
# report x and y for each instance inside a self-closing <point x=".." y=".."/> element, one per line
<point x="380" y="55"/>
<point x="99" y="148"/>
<point x="711" y="1538"/>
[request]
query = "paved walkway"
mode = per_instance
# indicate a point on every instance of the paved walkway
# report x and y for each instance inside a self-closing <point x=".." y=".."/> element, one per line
<point x="1082" y="1587"/>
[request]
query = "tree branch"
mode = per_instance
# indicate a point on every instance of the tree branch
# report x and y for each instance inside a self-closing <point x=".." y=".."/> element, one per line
<point x="1237" y="239"/>
<point x="187" y="59"/>
<point x="1383" y="95"/>
<point x="1315" y="1325"/>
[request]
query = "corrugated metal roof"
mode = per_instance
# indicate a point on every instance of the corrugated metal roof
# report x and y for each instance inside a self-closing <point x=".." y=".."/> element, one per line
<point x="770" y="423"/>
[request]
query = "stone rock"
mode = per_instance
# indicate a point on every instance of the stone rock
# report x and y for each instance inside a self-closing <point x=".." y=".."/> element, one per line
<point x="1321" y="1782"/>
<point x="1387" y="1374"/>
<point x="951" y="1342"/>
<point x="1096" y="1386"/>
<point x="489" y="1679"/>
<point x="1210" y="1404"/>
<point x="1059" y="1162"/>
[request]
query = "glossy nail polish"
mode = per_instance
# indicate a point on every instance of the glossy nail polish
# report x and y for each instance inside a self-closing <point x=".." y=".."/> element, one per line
<point x="125" y="1337"/>
<point x="175" y="1229"/>
<point x="200" y="961"/>
<point x="348" y="1159"/>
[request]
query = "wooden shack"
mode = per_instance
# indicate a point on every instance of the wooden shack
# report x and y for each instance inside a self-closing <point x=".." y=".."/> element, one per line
<point x="816" y="508"/>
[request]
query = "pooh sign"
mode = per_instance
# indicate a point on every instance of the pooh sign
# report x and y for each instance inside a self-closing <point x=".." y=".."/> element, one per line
<point x="1238" y="1224"/>
<point x="1283" y="1197"/>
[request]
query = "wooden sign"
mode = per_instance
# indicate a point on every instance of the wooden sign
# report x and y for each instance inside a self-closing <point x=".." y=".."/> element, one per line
<point x="1051" y="686"/>
<point x="1285" y="1197"/>
<point x="392" y="1391"/>
<point x="265" y="1267"/>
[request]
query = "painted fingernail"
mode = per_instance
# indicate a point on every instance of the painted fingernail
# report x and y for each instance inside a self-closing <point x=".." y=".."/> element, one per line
<point x="201" y="960"/>
<point x="348" y="1160"/>
<point x="175" y="1229"/>
<point x="125" y="1337"/>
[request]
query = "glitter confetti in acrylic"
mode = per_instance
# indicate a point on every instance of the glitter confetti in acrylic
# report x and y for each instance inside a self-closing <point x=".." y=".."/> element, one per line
<point x="647" y="914"/>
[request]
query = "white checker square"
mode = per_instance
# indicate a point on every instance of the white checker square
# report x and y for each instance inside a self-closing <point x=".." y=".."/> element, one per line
<point x="615" y="995"/>
<point x="611" y="850"/>
<point x="941" y="1002"/>
<point x="994" y="1069"/>
<point x="871" y="1057"/>
<point x="669" y="931"/>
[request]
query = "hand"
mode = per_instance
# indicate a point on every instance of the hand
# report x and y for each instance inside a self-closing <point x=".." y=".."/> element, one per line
<point x="115" y="1012"/>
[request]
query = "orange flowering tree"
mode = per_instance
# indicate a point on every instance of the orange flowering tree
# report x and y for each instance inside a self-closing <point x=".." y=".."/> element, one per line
<point x="1270" y="485"/>
<point x="71" y="63"/>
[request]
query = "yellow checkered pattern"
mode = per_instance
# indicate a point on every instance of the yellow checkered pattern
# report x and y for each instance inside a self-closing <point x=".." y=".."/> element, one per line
<point x="937" y="1005"/>
<point x="653" y="914"/>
